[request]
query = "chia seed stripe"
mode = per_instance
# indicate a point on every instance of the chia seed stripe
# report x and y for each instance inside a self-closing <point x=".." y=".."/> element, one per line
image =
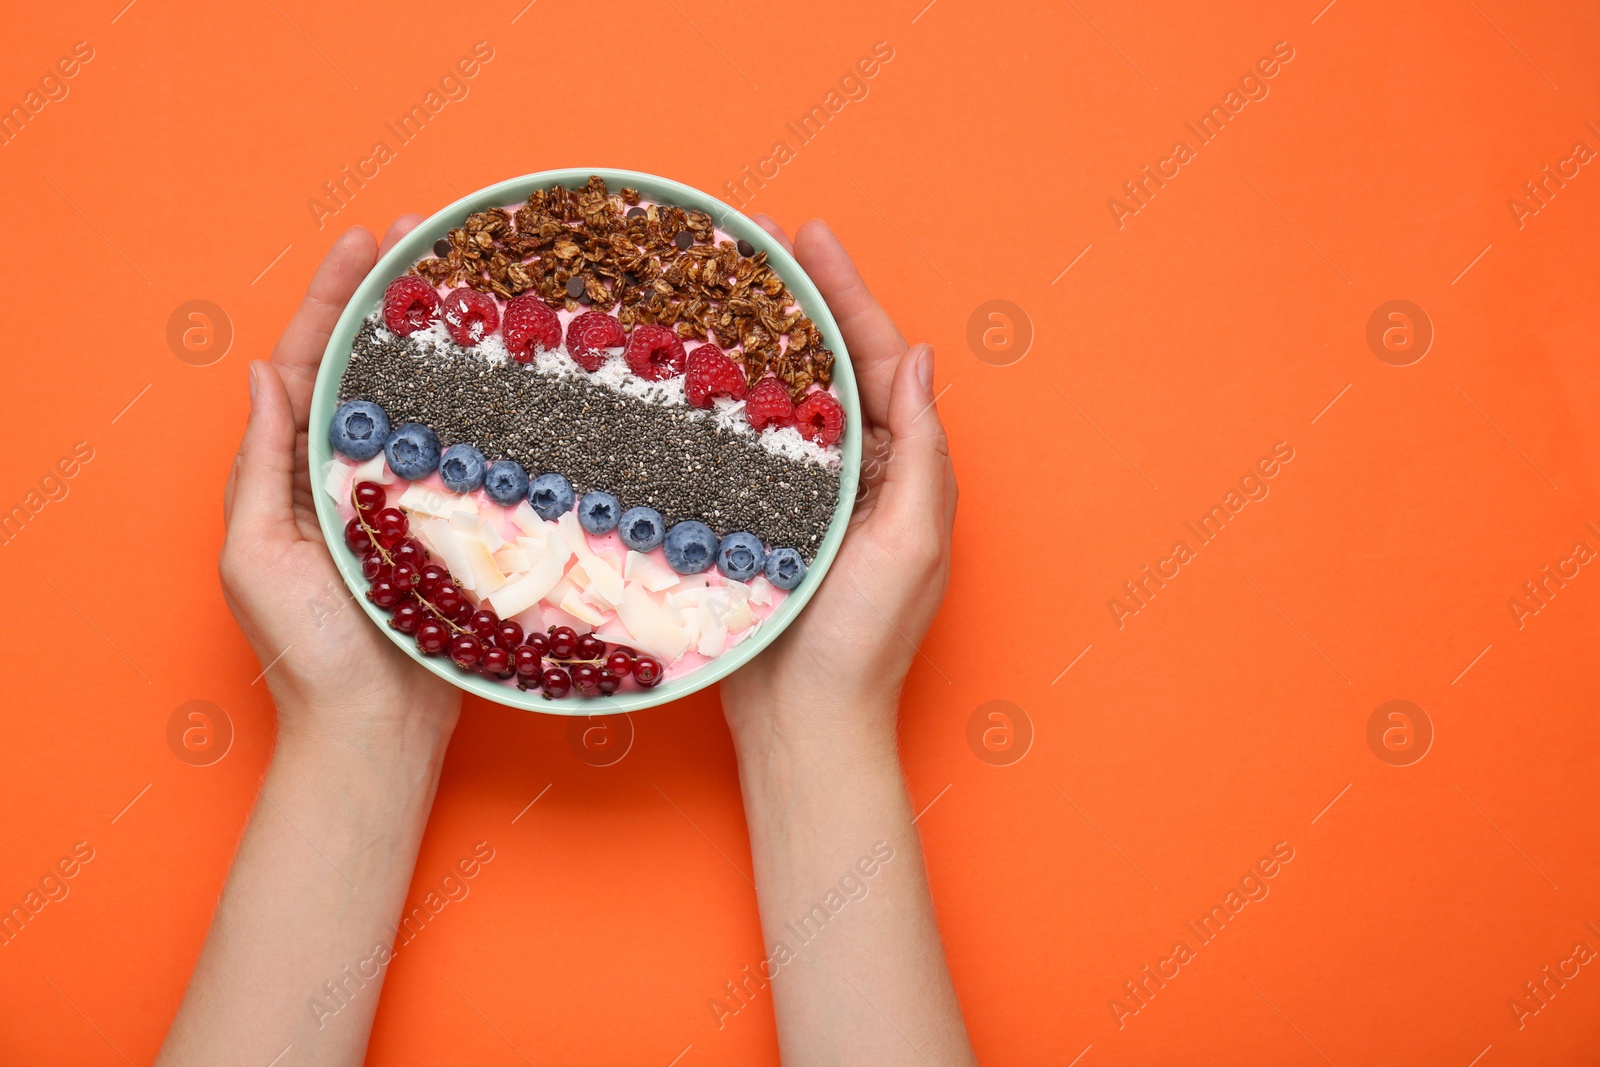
<point x="646" y="454"/>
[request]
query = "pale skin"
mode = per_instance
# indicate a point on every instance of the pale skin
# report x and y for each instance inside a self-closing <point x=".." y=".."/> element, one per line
<point x="326" y="860"/>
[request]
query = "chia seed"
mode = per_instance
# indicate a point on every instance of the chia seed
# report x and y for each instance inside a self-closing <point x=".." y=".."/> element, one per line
<point x="646" y="454"/>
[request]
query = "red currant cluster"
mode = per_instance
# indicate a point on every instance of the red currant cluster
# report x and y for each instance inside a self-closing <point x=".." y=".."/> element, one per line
<point x="423" y="601"/>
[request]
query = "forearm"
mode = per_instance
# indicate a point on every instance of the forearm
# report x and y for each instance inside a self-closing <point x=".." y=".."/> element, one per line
<point x="313" y="897"/>
<point x="857" y="970"/>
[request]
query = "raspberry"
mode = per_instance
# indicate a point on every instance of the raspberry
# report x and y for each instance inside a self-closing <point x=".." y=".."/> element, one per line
<point x="655" y="353"/>
<point x="592" y="336"/>
<point x="409" y="304"/>
<point x="530" y="327"/>
<point x="820" y="418"/>
<point x="769" y="405"/>
<point x="710" y="373"/>
<point x="470" y="316"/>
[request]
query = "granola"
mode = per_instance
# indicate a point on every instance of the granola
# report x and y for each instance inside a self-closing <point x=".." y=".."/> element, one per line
<point x="658" y="265"/>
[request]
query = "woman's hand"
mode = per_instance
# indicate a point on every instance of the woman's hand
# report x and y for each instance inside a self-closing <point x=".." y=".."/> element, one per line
<point x="319" y="880"/>
<point x="326" y="664"/>
<point x="843" y="661"/>
<point x="813" y="721"/>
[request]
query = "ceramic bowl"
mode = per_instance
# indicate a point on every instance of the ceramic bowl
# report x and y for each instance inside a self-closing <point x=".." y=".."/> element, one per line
<point x="417" y="244"/>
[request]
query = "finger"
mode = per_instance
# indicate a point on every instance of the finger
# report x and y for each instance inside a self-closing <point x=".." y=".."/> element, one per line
<point x="397" y="229"/>
<point x="875" y="343"/>
<point x="263" y="490"/>
<point x="766" y="223"/>
<point x="300" y="349"/>
<point x="917" y="482"/>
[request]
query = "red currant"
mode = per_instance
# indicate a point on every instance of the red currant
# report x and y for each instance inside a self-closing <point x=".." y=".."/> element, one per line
<point x="391" y="525"/>
<point x="529" y="681"/>
<point x="610" y="682"/>
<point x="410" y="551"/>
<point x="620" y="662"/>
<point x="539" y="643"/>
<point x="585" y="678"/>
<point x="449" y="601"/>
<point x="483" y="622"/>
<point x="466" y="650"/>
<point x="370" y="496"/>
<point x="404" y="575"/>
<point x="557" y="682"/>
<point x="408" y="617"/>
<point x="386" y="594"/>
<point x="432" y="579"/>
<point x="433" y="637"/>
<point x="355" y="536"/>
<point x="373" y="567"/>
<point x="563" y="642"/>
<point x="527" y="660"/>
<point x="648" y="671"/>
<point x="508" y="635"/>
<point x="462" y="615"/>
<point x="591" y="647"/>
<point x="497" y="661"/>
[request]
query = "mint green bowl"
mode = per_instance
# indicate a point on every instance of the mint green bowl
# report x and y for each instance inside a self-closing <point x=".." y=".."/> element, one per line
<point x="418" y="243"/>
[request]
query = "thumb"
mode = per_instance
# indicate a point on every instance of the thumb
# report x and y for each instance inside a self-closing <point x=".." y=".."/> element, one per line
<point x="263" y="489"/>
<point x="917" y="482"/>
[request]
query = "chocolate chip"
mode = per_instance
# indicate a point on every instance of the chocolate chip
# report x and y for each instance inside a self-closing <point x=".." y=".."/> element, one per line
<point x="635" y="212"/>
<point x="441" y="247"/>
<point x="683" y="240"/>
<point x="746" y="249"/>
<point x="574" y="286"/>
<point x="586" y="299"/>
<point x="628" y="278"/>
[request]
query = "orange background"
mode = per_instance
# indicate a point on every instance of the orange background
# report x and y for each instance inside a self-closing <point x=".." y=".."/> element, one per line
<point x="1223" y="317"/>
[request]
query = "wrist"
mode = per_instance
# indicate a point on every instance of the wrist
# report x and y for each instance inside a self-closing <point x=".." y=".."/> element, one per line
<point x="358" y="736"/>
<point x="815" y="730"/>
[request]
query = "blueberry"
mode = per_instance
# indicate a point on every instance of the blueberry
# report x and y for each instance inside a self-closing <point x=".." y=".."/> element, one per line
<point x="359" y="429"/>
<point x="691" y="547"/>
<point x="642" y="529"/>
<point x="598" y="512"/>
<point x="413" y="451"/>
<point x="785" y="568"/>
<point x="740" y="556"/>
<point x="551" y="496"/>
<point x="462" y="468"/>
<point x="506" y="482"/>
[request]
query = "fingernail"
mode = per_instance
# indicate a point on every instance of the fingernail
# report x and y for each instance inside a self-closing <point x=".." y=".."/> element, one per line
<point x="253" y="373"/>
<point x="925" y="368"/>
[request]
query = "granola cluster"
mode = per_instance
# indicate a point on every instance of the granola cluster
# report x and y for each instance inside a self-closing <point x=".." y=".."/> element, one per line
<point x="657" y="264"/>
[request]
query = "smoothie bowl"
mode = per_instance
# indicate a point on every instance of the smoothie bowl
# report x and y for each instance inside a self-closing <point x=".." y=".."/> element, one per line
<point x="585" y="441"/>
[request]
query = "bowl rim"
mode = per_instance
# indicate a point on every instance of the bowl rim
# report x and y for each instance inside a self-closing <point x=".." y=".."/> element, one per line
<point x="410" y="248"/>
